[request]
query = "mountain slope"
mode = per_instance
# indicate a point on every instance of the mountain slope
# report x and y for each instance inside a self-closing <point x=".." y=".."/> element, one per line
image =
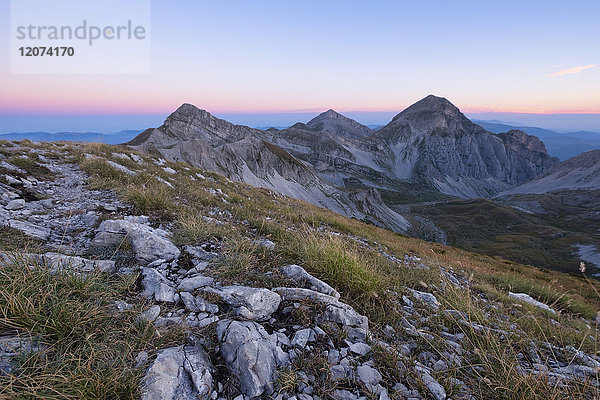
<point x="581" y="172"/>
<point x="241" y="153"/>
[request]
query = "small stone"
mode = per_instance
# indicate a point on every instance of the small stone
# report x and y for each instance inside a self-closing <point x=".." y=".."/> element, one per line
<point x="360" y="348"/>
<point x="14" y="205"/>
<point x="151" y="314"/>
<point x="195" y="282"/>
<point x="141" y="359"/>
<point x="301" y="338"/>
<point x="426" y="298"/>
<point x="368" y="376"/>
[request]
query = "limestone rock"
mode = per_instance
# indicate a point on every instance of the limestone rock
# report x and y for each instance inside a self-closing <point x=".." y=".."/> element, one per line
<point x="16" y="204"/>
<point x="251" y="354"/>
<point x="57" y="260"/>
<point x="250" y="303"/>
<point x="30" y="229"/>
<point x="148" y="244"/>
<point x="192" y="283"/>
<point x="157" y="286"/>
<point x="426" y="298"/>
<point x="179" y="373"/>
<point x="300" y="276"/>
<point x="528" y="299"/>
<point x="335" y="310"/>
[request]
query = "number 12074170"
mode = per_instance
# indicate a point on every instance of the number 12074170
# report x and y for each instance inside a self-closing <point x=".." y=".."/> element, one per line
<point x="46" y="51"/>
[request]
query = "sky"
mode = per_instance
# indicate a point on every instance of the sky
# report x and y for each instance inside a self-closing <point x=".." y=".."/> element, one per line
<point x="268" y="62"/>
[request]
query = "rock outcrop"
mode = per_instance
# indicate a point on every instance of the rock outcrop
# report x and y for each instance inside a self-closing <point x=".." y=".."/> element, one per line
<point x="148" y="244"/>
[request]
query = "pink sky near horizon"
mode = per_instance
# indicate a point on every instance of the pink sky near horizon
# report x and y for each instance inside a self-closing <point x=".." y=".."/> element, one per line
<point x="54" y="98"/>
<point x="287" y="57"/>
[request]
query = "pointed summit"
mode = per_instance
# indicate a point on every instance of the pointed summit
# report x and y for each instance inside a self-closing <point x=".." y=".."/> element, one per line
<point x="331" y="113"/>
<point x="431" y="113"/>
<point x="335" y="123"/>
<point x="431" y="105"/>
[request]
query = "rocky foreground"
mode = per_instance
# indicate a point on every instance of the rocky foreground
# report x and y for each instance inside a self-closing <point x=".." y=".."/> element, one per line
<point x="293" y="338"/>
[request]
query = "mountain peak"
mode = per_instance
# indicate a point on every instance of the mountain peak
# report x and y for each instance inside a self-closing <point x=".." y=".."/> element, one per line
<point x="190" y="110"/>
<point x="431" y="113"/>
<point x="335" y="123"/>
<point x="432" y="104"/>
<point x="331" y="113"/>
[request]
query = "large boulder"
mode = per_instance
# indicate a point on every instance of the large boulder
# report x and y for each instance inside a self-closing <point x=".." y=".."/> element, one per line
<point x="179" y="373"/>
<point x="248" y="302"/>
<point x="148" y="244"/>
<point x="251" y="354"/>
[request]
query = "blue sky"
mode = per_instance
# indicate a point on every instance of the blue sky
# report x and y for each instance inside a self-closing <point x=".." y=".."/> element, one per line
<point x="272" y="57"/>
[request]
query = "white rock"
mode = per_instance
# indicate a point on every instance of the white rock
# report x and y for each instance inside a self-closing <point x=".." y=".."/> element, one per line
<point x="300" y="276"/>
<point x="250" y="353"/>
<point x="151" y="314"/>
<point x="248" y="302"/>
<point x="179" y="373"/>
<point x="528" y="299"/>
<point x="148" y="244"/>
<point x="120" y="167"/>
<point x="360" y="348"/>
<point x="195" y="282"/>
<point x="157" y="286"/>
<point x="16" y="204"/>
<point x="426" y="298"/>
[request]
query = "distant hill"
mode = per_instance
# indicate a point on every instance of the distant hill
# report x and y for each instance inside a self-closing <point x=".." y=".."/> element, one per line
<point x="108" y="138"/>
<point x="558" y="144"/>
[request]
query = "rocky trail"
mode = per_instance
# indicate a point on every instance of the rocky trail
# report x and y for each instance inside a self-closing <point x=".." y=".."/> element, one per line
<point x="299" y="340"/>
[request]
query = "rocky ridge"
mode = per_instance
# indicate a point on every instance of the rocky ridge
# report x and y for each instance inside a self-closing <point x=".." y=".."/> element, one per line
<point x="243" y="154"/>
<point x="331" y="161"/>
<point x="581" y="172"/>
<point x="261" y="337"/>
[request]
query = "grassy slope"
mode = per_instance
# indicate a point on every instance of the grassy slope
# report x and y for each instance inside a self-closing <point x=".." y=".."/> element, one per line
<point x="495" y="229"/>
<point x="357" y="268"/>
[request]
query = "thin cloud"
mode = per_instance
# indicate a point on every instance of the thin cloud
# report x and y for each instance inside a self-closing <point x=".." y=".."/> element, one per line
<point x="573" y="70"/>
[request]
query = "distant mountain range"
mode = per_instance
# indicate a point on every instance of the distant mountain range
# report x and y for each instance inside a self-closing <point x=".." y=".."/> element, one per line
<point x="109" y="138"/>
<point x="558" y="144"/>
<point x="429" y="157"/>
<point x="336" y="162"/>
<point x="563" y="145"/>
